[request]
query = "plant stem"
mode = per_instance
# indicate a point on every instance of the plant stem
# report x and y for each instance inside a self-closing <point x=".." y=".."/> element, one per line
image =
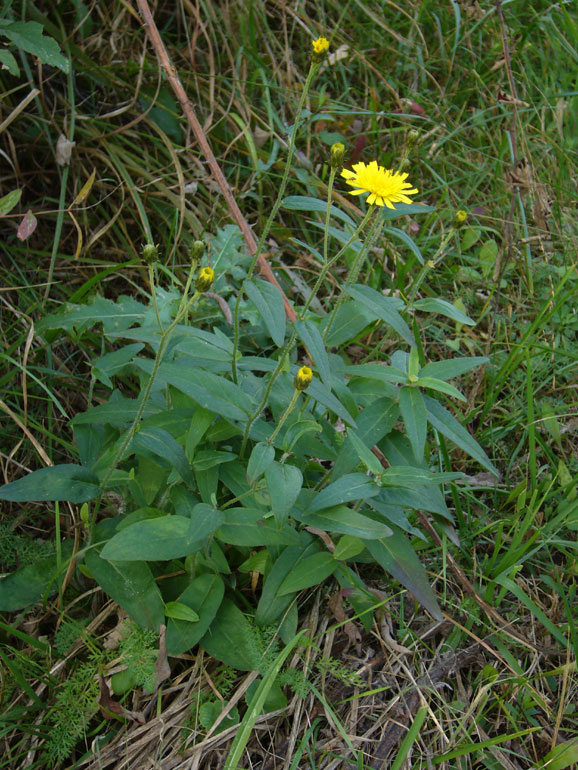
<point x="284" y="416"/>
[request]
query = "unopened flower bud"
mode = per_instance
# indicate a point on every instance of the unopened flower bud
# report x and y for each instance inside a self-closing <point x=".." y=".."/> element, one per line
<point x="460" y="218"/>
<point x="412" y="138"/>
<point x="204" y="279"/>
<point x="197" y="250"/>
<point x="336" y="155"/>
<point x="303" y="378"/>
<point x="320" y="48"/>
<point x="150" y="253"/>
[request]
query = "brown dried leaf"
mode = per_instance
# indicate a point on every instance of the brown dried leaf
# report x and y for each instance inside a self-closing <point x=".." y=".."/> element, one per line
<point x="350" y="629"/>
<point x="112" y="709"/>
<point x="162" y="668"/>
<point x="27" y="226"/>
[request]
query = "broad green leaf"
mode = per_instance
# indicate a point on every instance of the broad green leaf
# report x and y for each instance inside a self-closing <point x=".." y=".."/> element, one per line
<point x="441" y="387"/>
<point x="319" y="392"/>
<point x="203" y="596"/>
<point x="309" y="572"/>
<point x="350" y="546"/>
<point x="297" y="430"/>
<point x="351" y="319"/>
<point x="414" y="415"/>
<point x="111" y="364"/>
<point x="210" y="391"/>
<point x="180" y="611"/>
<point x="209" y="458"/>
<point x="119" y="411"/>
<point x="441" y="306"/>
<point x="171" y="537"/>
<point x="275" y="700"/>
<point x="306" y="203"/>
<point x="352" y="486"/>
<point x="396" y="555"/>
<point x="311" y="338"/>
<point x="247" y="527"/>
<point x="72" y="483"/>
<point x="132" y="585"/>
<point x="261" y="458"/>
<point x="345" y="521"/>
<point x="210" y="711"/>
<point x="365" y="454"/>
<point x="284" y="483"/>
<point x="8" y="202"/>
<point x="271" y="606"/>
<point x="563" y="755"/>
<point x="469" y="237"/>
<point x="28" y="36"/>
<point x="231" y="639"/>
<point x="384" y="308"/>
<point x="453" y="367"/>
<point x="373" y="423"/>
<point x="269" y="302"/>
<point x="114" y="316"/>
<point x="442" y="420"/>
<point x="32" y="582"/>
<point x="380" y="372"/>
<point x="166" y="449"/>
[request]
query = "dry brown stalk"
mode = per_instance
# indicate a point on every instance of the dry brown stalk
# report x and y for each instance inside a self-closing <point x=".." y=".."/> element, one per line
<point x="197" y="129"/>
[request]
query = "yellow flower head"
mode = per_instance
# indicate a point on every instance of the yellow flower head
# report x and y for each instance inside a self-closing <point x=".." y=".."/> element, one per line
<point x="204" y="279"/>
<point x="320" y="46"/>
<point x="385" y="187"/>
<point x="460" y="218"/>
<point x="303" y="378"/>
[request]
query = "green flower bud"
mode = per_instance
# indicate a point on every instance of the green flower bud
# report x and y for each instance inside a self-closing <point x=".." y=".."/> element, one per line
<point x="303" y="378"/>
<point x="150" y="253"/>
<point x="336" y="155"/>
<point x="412" y="138"/>
<point x="204" y="279"/>
<point x="197" y="250"/>
<point x="460" y="218"/>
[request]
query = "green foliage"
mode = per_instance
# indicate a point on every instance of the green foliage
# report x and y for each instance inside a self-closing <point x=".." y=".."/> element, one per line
<point x="138" y="649"/>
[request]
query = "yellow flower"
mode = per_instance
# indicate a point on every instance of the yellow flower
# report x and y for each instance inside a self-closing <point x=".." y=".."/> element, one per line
<point x="385" y="187"/>
<point x="204" y="279"/>
<point x="320" y="46"/>
<point x="303" y="378"/>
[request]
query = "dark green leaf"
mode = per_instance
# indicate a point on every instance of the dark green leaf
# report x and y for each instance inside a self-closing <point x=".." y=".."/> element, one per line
<point x="345" y="521"/>
<point x="72" y="483"/>
<point x="28" y="36"/>
<point x="284" y="483"/>
<point x="271" y="606"/>
<point x="454" y="367"/>
<point x="164" y="447"/>
<point x="352" y="486"/>
<point x="311" y="338"/>
<point x="306" y="203"/>
<point x="261" y="458"/>
<point x="350" y="319"/>
<point x="414" y="416"/>
<point x="441" y="306"/>
<point x="397" y="557"/>
<point x="309" y="572"/>
<point x="246" y="527"/>
<point x="384" y="308"/>
<point x="204" y="596"/>
<point x="180" y="611"/>
<point x="231" y="639"/>
<point x="130" y="584"/>
<point x="269" y="302"/>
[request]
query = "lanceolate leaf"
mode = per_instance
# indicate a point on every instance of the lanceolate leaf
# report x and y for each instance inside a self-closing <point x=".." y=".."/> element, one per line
<point x="447" y="424"/>
<point x="72" y="483"/>
<point x="385" y="308"/>
<point x="397" y="557"/>
<point x="163" y="446"/>
<point x="269" y="302"/>
<point x="310" y="336"/>
<point x="414" y="416"/>
<point x="284" y="483"/>
<point x="352" y="486"/>
<point x="309" y="572"/>
<point x="204" y="596"/>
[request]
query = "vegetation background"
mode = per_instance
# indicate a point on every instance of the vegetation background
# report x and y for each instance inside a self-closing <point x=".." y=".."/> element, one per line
<point x="492" y="89"/>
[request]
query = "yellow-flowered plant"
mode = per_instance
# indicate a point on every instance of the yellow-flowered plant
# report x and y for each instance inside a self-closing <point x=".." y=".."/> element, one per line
<point x="385" y="187"/>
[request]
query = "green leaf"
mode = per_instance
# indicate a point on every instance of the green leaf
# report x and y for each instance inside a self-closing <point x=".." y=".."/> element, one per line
<point x="230" y="638"/>
<point x="8" y="202"/>
<point x="351" y="319"/>
<point x="203" y="596"/>
<point x="411" y="476"/>
<point x="352" y="486"/>
<point x="306" y="203"/>
<point x="311" y="338"/>
<point x="297" y="430"/>
<point x="433" y="305"/>
<point x="380" y="372"/>
<point x="384" y="308"/>
<point x="470" y="236"/>
<point x="403" y="209"/>
<point x="365" y="454"/>
<point x="442" y="420"/>
<point x="350" y="546"/>
<point x="114" y="316"/>
<point x="284" y="483"/>
<point x="414" y="415"/>
<point x="171" y="537"/>
<point x="132" y="585"/>
<point x="210" y="711"/>
<point x="261" y="458"/>
<point x="269" y="302"/>
<point x="72" y="483"/>
<point x="441" y="387"/>
<point x="345" y="521"/>
<point x="28" y="36"/>
<point x="319" y="392"/>
<point x="111" y="364"/>
<point x="209" y="458"/>
<point x="119" y="411"/>
<point x="271" y="606"/>
<point x="246" y="527"/>
<point x="31" y="583"/>
<point x="562" y="756"/>
<point x="8" y="62"/>
<point x="397" y="557"/>
<point x="373" y="423"/>
<point x="453" y="367"/>
<point x="309" y="572"/>
<point x="180" y="611"/>
<point x="407" y="240"/>
<point x="166" y="449"/>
